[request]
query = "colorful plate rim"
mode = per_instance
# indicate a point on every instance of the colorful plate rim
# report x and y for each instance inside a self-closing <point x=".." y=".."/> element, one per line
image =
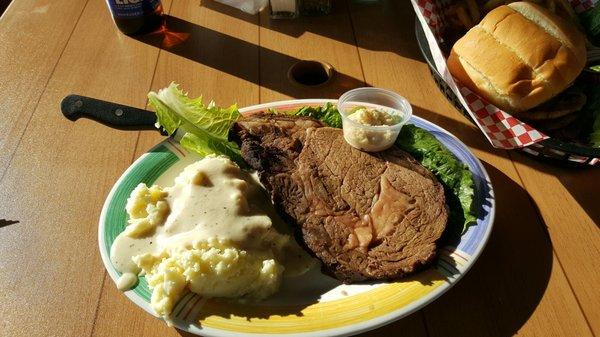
<point x="478" y="235"/>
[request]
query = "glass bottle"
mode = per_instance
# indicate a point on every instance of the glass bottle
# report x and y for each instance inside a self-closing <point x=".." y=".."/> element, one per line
<point x="136" y="16"/>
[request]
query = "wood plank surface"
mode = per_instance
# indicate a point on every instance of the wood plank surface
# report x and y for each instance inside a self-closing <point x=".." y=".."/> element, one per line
<point x="327" y="39"/>
<point x="58" y="179"/>
<point x="568" y="203"/>
<point x="218" y="59"/>
<point x="536" y="277"/>
<point x="33" y="34"/>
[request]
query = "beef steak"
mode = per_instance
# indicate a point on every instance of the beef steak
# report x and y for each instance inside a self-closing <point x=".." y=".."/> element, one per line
<point x="366" y="216"/>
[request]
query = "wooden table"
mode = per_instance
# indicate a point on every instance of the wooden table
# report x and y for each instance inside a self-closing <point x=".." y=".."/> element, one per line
<point x="538" y="275"/>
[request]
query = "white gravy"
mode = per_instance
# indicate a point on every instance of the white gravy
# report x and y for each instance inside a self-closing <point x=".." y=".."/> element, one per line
<point x="211" y="198"/>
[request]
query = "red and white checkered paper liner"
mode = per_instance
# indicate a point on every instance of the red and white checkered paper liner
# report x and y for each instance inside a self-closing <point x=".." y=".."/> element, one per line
<point x="501" y="129"/>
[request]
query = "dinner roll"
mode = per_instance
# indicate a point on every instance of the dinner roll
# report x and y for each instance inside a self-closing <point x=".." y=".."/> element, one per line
<point x="519" y="56"/>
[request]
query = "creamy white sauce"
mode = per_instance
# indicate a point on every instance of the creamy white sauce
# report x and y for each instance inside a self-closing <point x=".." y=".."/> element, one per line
<point x="126" y="281"/>
<point x="212" y="198"/>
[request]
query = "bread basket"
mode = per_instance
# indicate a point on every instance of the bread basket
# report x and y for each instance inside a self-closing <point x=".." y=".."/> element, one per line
<point x="550" y="149"/>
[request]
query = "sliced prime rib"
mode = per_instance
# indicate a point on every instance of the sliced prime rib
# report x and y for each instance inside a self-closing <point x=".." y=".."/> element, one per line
<point x="366" y="216"/>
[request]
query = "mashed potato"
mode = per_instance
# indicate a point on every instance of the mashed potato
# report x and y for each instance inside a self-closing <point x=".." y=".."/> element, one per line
<point x="213" y="269"/>
<point x="147" y="208"/>
<point x="213" y="232"/>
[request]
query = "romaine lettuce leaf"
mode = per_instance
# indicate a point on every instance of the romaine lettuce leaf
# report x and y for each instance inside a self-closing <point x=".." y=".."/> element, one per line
<point x="328" y="114"/>
<point x="592" y="107"/>
<point x="204" y="128"/>
<point x="590" y="20"/>
<point x="454" y="175"/>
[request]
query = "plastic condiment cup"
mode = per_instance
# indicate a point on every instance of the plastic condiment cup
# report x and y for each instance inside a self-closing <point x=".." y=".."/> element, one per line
<point x="367" y="137"/>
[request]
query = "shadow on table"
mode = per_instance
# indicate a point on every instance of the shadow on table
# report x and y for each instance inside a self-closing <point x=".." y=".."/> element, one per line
<point x="581" y="182"/>
<point x="358" y="14"/>
<point x="5" y="223"/>
<point x="583" y="186"/>
<point x="239" y="58"/>
<point x="3" y="5"/>
<point x="508" y="281"/>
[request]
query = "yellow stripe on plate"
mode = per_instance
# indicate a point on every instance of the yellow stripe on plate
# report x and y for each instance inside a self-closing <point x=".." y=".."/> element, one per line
<point x="319" y="316"/>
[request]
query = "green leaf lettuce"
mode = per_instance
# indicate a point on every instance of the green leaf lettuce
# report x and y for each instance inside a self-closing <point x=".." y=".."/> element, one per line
<point x="453" y="174"/>
<point x="204" y="128"/>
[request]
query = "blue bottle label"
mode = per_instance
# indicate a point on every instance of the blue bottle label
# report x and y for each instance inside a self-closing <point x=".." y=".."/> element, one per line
<point x="132" y="8"/>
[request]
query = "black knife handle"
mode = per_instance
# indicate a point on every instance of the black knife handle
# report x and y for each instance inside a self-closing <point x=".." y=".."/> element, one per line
<point x="111" y="114"/>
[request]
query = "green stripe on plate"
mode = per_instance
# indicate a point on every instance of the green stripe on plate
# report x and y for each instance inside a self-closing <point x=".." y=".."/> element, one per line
<point x="147" y="170"/>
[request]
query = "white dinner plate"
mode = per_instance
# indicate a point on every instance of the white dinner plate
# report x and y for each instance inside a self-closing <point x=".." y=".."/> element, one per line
<point x="313" y="304"/>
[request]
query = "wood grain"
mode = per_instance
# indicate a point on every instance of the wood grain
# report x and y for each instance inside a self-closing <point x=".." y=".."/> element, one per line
<point x="218" y="59"/>
<point x="521" y="289"/>
<point x="33" y="34"/>
<point x="60" y="174"/>
<point x="568" y="203"/>
<point x="326" y="39"/>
